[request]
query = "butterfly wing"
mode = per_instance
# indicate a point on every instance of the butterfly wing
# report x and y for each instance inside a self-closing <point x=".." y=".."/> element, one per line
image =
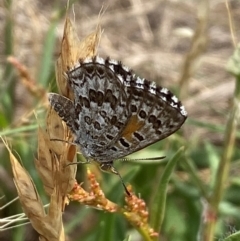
<point x="152" y="119"/>
<point x="115" y="112"/>
<point x="101" y="106"/>
<point x="155" y="114"/>
<point x="64" y="108"/>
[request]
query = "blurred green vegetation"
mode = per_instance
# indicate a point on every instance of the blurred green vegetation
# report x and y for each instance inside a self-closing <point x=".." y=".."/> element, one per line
<point x="201" y="181"/>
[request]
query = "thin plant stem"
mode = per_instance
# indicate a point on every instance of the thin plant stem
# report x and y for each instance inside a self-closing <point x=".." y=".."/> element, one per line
<point x="223" y="169"/>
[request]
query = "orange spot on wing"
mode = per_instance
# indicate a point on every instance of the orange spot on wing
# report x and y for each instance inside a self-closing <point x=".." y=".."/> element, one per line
<point x="133" y="125"/>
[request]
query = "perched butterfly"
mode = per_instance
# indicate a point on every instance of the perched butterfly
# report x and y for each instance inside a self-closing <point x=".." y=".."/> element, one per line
<point x="114" y="112"/>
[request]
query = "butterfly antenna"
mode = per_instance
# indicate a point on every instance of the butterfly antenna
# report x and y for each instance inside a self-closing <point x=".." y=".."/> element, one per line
<point x="143" y="159"/>
<point x="124" y="186"/>
<point x="107" y="167"/>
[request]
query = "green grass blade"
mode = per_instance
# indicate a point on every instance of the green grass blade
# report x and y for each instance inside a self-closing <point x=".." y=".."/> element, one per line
<point x="233" y="237"/>
<point x="158" y="207"/>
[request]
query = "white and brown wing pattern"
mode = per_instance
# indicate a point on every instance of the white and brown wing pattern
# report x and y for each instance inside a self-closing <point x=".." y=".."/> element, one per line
<point x="155" y="112"/>
<point x="115" y="112"/>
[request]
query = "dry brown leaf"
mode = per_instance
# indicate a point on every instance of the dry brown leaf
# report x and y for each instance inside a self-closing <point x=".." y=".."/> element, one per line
<point x="46" y="164"/>
<point x="48" y="226"/>
<point x="71" y="51"/>
<point x="52" y="163"/>
<point x="27" y="192"/>
<point x="63" y="151"/>
<point x="31" y="202"/>
<point x="88" y="46"/>
<point x="56" y="129"/>
<point x="53" y="222"/>
<point x="66" y="175"/>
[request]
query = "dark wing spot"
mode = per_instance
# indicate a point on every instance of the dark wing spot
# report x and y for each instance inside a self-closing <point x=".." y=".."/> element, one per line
<point x="138" y="136"/>
<point x="85" y="102"/>
<point x="142" y="114"/>
<point x="109" y="97"/>
<point x="109" y="137"/>
<point x="97" y="125"/>
<point x="157" y="124"/>
<point x="119" y="125"/>
<point x="133" y="108"/>
<point x="113" y="120"/>
<point x="92" y="95"/>
<point x="99" y="98"/>
<point x="114" y="148"/>
<point x="124" y="143"/>
<point x="87" y="120"/>
<point x="103" y="113"/>
<point x="152" y="118"/>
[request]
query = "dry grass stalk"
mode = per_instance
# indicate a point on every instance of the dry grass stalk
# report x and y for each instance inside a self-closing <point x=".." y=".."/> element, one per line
<point x="199" y="43"/>
<point x="56" y="151"/>
<point x="49" y="226"/>
<point x="32" y="86"/>
<point x="71" y="51"/>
